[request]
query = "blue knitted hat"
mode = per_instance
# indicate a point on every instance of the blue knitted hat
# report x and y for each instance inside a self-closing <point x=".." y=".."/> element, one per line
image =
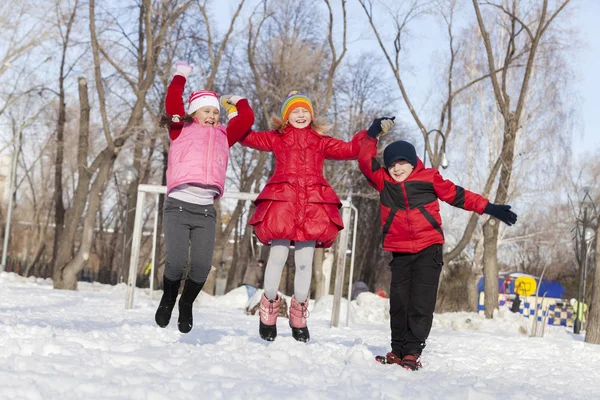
<point x="400" y="150"/>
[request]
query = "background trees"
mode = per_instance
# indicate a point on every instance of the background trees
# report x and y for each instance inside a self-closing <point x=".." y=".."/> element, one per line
<point x="84" y="82"/>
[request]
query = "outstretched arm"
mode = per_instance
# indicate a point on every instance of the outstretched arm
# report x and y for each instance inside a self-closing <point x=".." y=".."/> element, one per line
<point x="457" y="196"/>
<point x="259" y="140"/>
<point x="336" y="149"/>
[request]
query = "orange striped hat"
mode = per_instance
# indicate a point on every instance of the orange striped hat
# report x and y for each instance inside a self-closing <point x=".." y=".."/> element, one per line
<point x="295" y="100"/>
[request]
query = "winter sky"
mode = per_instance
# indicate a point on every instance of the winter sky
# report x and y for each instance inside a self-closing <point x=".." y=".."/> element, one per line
<point x="428" y="42"/>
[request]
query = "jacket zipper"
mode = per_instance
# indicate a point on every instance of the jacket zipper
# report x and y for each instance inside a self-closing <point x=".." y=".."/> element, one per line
<point x="410" y="232"/>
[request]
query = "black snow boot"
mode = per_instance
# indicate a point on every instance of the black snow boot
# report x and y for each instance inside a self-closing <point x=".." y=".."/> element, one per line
<point x="189" y="294"/>
<point x="167" y="302"/>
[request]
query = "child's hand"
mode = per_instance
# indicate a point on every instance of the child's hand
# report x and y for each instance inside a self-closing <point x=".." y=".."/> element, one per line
<point x="183" y="68"/>
<point x="502" y="212"/>
<point x="228" y="103"/>
<point x="380" y="126"/>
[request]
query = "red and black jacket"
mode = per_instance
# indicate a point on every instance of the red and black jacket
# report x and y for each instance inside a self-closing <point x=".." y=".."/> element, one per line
<point x="410" y="212"/>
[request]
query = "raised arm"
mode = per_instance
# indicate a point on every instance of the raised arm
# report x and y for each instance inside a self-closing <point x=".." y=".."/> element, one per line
<point x="367" y="157"/>
<point x="174" y="99"/>
<point x="368" y="164"/>
<point x="336" y="149"/>
<point x="241" y="118"/>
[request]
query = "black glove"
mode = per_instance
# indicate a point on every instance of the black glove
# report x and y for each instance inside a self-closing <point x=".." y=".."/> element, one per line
<point x="502" y="212"/>
<point x="380" y="126"/>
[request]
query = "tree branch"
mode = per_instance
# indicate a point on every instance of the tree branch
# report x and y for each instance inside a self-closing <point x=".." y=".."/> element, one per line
<point x="98" y="77"/>
<point x="491" y="62"/>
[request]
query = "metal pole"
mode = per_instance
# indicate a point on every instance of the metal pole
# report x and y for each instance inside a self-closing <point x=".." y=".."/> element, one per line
<point x="587" y="256"/>
<point x="135" y="249"/>
<point x="137" y="231"/>
<point x="577" y="323"/>
<point x="352" y="263"/>
<point x="340" y="269"/>
<point x="124" y="240"/>
<point x="154" y="245"/>
<point x="13" y="183"/>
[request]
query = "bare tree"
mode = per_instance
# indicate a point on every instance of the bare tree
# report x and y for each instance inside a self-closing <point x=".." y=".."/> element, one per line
<point x="540" y="20"/>
<point x="64" y="25"/>
<point x="402" y="17"/>
<point x="155" y="21"/>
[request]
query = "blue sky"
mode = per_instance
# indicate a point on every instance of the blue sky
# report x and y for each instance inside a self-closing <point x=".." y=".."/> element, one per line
<point x="428" y="40"/>
<point x="586" y="63"/>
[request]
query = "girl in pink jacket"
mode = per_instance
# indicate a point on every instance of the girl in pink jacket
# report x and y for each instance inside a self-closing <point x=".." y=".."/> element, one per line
<point x="197" y="163"/>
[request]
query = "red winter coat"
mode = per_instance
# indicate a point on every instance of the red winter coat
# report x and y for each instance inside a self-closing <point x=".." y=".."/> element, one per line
<point x="297" y="202"/>
<point x="410" y="212"/>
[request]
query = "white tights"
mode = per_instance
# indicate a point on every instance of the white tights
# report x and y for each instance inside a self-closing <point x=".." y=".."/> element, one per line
<point x="303" y="257"/>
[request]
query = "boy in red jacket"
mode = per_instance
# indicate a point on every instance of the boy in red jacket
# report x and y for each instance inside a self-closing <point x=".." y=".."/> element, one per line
<point x="412" y="231"/>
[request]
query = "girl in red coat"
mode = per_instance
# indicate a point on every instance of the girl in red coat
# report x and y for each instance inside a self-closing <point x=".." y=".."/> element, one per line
<point x="412" y="231"/>
<point x="297" y="206"/>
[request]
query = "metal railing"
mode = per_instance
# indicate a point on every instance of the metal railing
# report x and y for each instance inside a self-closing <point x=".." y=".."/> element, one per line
<point x="143" y="189"/>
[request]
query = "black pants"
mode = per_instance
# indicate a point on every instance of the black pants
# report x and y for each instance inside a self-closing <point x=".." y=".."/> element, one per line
<point x="189" y="234"/>
<point x="413" y="292"/>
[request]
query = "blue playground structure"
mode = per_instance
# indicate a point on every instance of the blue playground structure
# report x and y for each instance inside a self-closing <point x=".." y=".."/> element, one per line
<point x="551" y="305"/>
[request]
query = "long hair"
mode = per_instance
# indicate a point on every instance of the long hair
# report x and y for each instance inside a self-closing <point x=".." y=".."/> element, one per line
<point x="319" y="125"/>
<point x="166" y="120"/>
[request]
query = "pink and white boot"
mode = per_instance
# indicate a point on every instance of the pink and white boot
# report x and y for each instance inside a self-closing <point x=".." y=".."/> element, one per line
<point x="298" y="315"/>
<point x="269" y="310"/>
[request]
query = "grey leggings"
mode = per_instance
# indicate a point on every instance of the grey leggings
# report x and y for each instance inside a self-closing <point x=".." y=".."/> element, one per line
<point x="189" y="235"/>
<point x="303" y="257"/>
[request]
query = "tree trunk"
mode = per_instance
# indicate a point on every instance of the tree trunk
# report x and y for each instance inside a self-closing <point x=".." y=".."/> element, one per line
<point x="592" y="330"/>
<point x="131" y="202"/>
<point x="318" y="276"/>
<point x="38" y="255"/>
<point x="491" y="226"/>
<point x="160" y="267"/>
<point x="59" y="207"/>
<point x="236" y="275"/>
<point x="65" y="276"/>
<point x="73" y="215"/>
<point x="327" y="270"/>
<point x="490" y="266"/>
<point x="473" y="293"/>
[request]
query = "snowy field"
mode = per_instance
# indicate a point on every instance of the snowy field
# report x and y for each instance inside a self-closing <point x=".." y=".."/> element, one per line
<point x="85" y="345"/>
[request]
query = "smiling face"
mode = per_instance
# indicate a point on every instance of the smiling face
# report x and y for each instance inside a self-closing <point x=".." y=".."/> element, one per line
<point x="400" y="170"/>
<point x="300" y="117"/>
<point x="207" y="116"/>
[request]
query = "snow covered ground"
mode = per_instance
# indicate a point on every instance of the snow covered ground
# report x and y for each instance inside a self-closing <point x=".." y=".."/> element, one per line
<point x="85" y="345"/>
